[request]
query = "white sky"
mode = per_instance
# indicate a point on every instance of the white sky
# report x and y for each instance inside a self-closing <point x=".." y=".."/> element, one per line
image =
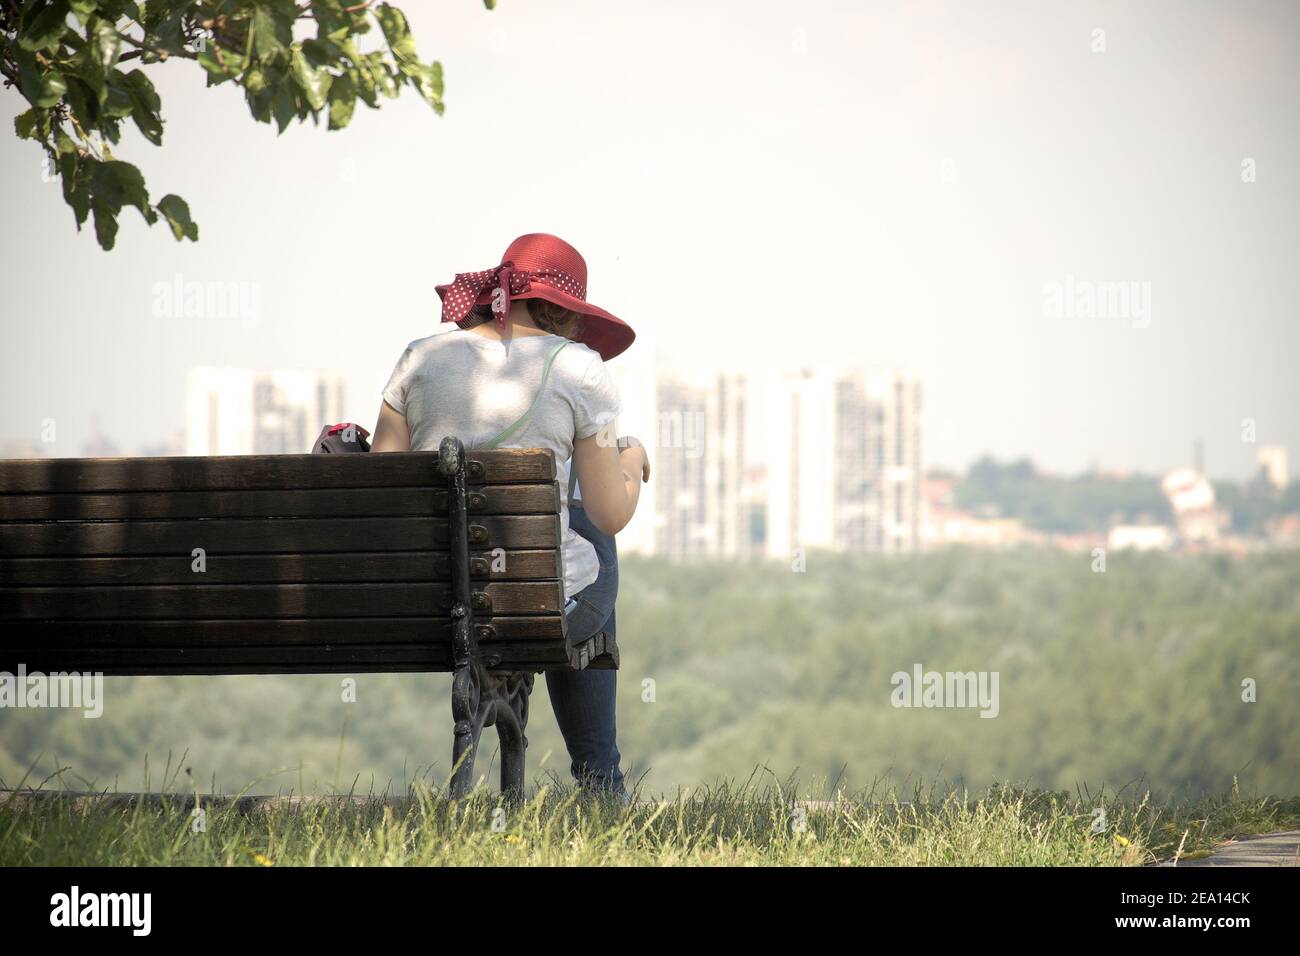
<point x="757" y="184"/>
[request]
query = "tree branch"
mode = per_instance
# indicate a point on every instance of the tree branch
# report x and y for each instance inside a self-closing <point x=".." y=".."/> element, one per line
<point x="159" y="52"/>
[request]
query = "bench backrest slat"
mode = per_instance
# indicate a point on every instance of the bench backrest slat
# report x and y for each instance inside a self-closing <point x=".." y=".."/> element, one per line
<point x="351" y="567"/>
<point x="251" y="472"/>
<point x="264" y="535"/>
<point x="316" y="502"/>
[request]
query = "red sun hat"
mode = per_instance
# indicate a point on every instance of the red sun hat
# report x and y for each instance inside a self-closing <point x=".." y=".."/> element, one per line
<point x="537" y="266"/>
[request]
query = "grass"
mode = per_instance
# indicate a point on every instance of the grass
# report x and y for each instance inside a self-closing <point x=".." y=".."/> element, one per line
<point x="725" y="824"/>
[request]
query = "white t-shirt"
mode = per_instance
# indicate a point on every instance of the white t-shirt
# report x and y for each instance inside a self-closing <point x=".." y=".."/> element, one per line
<point x="467" y="385"/>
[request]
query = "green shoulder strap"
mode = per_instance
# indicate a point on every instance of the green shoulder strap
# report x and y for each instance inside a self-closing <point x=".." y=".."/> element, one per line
<point x="541" y="388"/>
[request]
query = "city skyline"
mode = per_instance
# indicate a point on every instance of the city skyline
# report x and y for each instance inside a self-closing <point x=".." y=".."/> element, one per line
<point x="95" y="434"/>
<point x="770" y="466"/>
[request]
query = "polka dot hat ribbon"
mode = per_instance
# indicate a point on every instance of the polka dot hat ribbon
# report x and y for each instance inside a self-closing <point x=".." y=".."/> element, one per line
<point x="465" y="290"/>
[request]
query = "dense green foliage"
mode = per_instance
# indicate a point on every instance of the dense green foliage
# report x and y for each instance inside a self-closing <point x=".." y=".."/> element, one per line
<point x="1054" y="503"/>
<point x="69" y="71"/>
<point x="1132" y="676"/>
<point x="727" y="825"/>
<point x="1253" y="504"/>
<point x="1092" y="502"/>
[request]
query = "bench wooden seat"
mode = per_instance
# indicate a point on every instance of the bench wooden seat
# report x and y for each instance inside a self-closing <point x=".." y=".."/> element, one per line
<point x="296" y="564"/>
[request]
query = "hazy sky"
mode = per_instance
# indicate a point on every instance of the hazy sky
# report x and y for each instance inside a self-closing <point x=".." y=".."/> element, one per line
<point x="752" y="183"/>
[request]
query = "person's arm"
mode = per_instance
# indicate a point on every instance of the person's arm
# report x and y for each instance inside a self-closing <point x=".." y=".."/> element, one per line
<point x="391" y="431"/>
<point x="610" y="480"/>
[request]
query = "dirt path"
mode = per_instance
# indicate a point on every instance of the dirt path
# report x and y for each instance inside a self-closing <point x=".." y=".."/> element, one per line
<point x="1268" y="849"/>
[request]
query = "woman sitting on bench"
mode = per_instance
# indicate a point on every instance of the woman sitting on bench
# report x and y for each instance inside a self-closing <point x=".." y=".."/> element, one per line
<point x="525" y="369"/>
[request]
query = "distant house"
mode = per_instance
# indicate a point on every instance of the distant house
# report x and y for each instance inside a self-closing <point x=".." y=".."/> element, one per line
<point x="943" y="523"/>
<point x="1284" y="531"/>
<point x="1199" y="519"/>
<point x="1140" y="537"/>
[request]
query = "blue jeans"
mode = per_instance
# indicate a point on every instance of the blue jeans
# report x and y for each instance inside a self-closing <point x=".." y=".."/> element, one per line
<point x="583" y="701"/>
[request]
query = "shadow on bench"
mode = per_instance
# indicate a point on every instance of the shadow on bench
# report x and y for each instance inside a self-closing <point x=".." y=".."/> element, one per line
<point x="297" y="564"/>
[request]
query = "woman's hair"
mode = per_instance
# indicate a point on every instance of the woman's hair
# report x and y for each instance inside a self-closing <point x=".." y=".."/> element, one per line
<point x="547" y="316"/>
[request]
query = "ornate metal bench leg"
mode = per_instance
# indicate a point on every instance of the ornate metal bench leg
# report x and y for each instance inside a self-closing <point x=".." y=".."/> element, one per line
<point x="466" y="696"/>
<point x="512" y="721"/>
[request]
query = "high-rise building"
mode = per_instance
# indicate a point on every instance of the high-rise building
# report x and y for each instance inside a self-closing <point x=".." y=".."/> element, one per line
<point x="878" y="462"/>
<point x="843" y="461"/>
<point x="219" y="411"/>
<point x="681" y="518"/>
<point x="699" y="463"/>
<point x="237" y="411"/>
<point x="725" y="457"/>
<point x="798" y="447"/>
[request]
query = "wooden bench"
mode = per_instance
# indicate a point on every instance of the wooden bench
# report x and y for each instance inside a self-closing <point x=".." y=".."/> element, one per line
<point x="297" y="564"/>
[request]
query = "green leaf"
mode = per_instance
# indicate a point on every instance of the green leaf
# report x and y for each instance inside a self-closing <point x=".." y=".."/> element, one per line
<point x="76" y="191"/>
<point x="68" y="168"/>
<point x="105" y="222"/>
<point x="428" y="80"/>
<point x="385" y="81"/>
<point x="84" y="9"/>
<point x="145" y="106"/>
<point x="343" y="100"/>
<point x="331" y="22"/>
<point x="115" y="184"/>
<point x="212" y="59"/>
<point x="53" y="86"/>
<point x="105" y="44"/>
<point x="254" y="80"/>
<point x="397" y="32"/>
<point x="320" y="52"/>
<point x="177" y="213"/>
<point x="284" y="106"/>
<point x="163" y="24"/>
<point x="29" y="75"/>
<point x="143" y="90"/>
<point x="63" y="143"/>
<point x="315" y="84"/>
<point x="364" y="83"/>
<point x="120" y="184"/>
<point x="82" y="102"/>
<point x="86" y="66"/>
<point x="118" y="103"/>
<point x="46" y="29"/>
<point x="259" y="105"/>
<point x="25" y="124"/>
<point x="270" y="34"/>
